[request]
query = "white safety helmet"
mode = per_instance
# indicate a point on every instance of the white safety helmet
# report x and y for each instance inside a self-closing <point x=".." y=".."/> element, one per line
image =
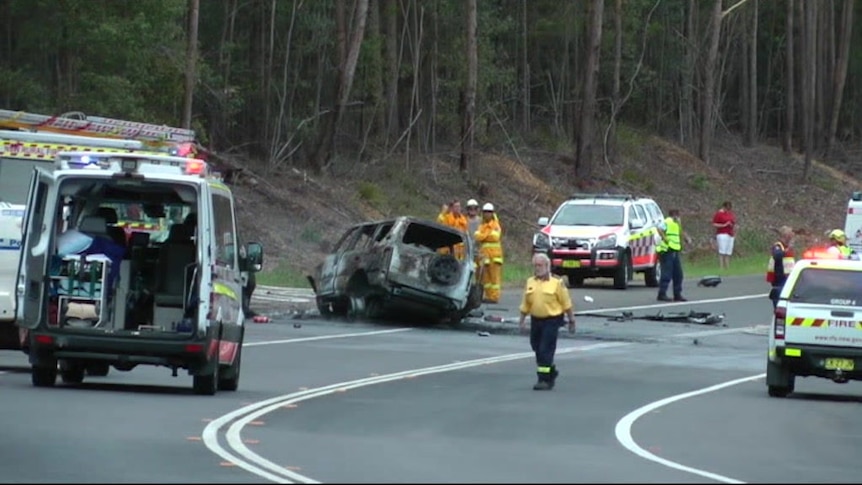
<point x="472" y="203"/>
<point x="488" y="207"/>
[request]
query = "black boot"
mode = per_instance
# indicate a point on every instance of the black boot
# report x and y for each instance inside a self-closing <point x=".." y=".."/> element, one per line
<point x="544" y="383"/>
<point x="554" y="375"/>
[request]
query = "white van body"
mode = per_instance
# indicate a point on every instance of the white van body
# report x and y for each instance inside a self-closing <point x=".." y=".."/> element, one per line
<point x="853" y="222"/>
<point x="90" y="293"/>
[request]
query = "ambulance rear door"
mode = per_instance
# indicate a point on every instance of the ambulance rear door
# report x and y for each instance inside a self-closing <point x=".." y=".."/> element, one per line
<point x="853" y="223"/>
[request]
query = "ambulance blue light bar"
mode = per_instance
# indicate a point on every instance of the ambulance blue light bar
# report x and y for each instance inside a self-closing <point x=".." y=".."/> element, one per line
<point x="132" y="163"/>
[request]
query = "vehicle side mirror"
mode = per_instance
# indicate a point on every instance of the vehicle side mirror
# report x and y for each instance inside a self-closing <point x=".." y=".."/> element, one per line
<point x="543" y="221"/>
<point x="636" y="223"/>
<point x="253" y="257"/>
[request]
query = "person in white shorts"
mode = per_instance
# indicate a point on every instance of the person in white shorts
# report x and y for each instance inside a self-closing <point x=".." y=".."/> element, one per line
<point x="724" y="222"/>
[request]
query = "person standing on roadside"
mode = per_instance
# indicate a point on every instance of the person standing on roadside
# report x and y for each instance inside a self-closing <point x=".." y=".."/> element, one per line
<point x="546" y="300"/>
<point x="781" y="263"/>
<point x="451" y="215"/>
<point x="724" y="222"/>
<point x="669" y="250"/>
<point x="488" y="236"/>
<point x="473" y="221"/>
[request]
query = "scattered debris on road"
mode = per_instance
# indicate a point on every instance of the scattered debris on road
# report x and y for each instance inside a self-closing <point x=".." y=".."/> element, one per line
<point x="702" y="318"/>
<point x="709" y="281"/>
<point x="483" y="334"/>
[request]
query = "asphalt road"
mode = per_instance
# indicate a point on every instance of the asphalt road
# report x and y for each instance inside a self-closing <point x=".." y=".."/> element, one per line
<point x="637" y="401"/>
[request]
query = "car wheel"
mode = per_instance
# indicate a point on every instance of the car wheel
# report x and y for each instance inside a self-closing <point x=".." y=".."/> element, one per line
<point x="206" y="385"/>
<point x="623" y="274"/>
<point x="444" y="269"/>
<point x="230" y="379"/>
<point x="575" y="280"/>
<point x="72" y="372"/>
<point x="652" y="275"/>
<point x="98" y="369"/>
<point x="43" y="375"/>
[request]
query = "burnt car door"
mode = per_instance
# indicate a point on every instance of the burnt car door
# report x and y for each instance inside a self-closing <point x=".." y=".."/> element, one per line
<point x="326" y="276"/>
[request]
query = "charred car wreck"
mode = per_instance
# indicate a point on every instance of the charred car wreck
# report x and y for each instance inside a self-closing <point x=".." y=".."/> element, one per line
<point x="398" y="268"/>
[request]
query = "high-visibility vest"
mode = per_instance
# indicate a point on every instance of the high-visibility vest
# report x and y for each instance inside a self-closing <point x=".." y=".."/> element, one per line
<point x="846" y="251"/>
<point x="672" y="232"/>
<point x="787" y="261"/>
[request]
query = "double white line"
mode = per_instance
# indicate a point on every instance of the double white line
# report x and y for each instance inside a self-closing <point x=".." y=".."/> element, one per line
<point x="251" y="462"/>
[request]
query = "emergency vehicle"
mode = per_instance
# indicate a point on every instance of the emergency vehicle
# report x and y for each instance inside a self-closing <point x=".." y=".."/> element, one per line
<point x="602" y="235"/>
<point x="817" y="325"/>
<point x="853" y="222"/>
<point x="89" y="297"/>
<point x="29" y="140"/>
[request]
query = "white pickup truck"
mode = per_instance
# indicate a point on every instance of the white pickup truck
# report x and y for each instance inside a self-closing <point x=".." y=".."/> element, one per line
<point x="817" y="329"/>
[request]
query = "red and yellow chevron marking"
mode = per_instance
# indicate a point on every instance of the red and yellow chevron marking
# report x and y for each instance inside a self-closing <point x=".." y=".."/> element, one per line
<point x="807" y="322"/>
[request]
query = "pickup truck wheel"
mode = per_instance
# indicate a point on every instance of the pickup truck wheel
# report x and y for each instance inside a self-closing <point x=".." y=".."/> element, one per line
<point x="779" y="380"/>
<point x="44" y="375"/>
<point x="575" y="280"/>
<point x="208" y="384"/>
<point x="624" y="272"/>
<point x="652" y="275"/>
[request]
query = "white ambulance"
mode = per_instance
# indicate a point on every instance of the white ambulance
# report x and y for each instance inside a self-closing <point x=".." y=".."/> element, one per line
<point x="817" y="327"/>
<point x="853" y="222"/>
<point x="20" y="153"/>
<point x="89" y="295"/>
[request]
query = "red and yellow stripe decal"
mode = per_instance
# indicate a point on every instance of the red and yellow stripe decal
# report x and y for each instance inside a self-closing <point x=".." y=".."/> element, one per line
<point x="807" y="322"/>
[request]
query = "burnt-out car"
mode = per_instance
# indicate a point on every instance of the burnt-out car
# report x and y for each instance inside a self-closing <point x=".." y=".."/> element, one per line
<point x="398" y="268"/>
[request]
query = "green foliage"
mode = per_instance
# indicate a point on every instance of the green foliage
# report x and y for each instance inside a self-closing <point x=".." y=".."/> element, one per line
<point x="371" y="193"/>
<point x="699" y="182"/>
<point x="282" y="275"/>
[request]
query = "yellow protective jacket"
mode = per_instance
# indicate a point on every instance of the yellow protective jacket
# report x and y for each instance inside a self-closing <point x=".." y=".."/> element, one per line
<point x="488" y="237"/>
<point x="458" y="221"/>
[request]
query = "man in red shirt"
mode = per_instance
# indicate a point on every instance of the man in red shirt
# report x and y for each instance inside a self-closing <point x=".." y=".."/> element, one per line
<point x="724" y="222"/>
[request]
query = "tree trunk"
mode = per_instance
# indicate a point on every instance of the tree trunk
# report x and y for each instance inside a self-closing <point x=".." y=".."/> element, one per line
<point x="687" y="121"/>
<point x="191" y="62"/>
<point x="809" y="45"/>
<point x="615" y="93"/>
<point x="525" y="72"/>
<point x="469" y="114"/>
<point x="845" y="38"/>
<point x="584" y="154"/>
<point x="332" y="121"/>
<point x="751" y="132"/>
<point x="707" y="105"/>
<point x="789" y="92"/>
<point x="377" y="114"/>
<point x="390" y="14"/>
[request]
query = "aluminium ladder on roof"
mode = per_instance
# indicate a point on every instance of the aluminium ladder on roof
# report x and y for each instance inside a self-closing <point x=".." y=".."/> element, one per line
<point x="94" y="126"/>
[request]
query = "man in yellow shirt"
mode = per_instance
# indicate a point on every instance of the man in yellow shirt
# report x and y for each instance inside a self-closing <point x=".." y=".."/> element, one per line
<point x="546" y="299"/>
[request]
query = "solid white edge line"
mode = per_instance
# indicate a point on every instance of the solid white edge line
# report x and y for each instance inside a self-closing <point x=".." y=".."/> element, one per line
<point x="249" y="413"/>
<point x="623" y="429"/>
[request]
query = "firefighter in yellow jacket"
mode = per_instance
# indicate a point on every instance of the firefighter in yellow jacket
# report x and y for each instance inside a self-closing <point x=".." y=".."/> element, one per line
<point x="451" y="215"/>
<point x="490" y="253"/>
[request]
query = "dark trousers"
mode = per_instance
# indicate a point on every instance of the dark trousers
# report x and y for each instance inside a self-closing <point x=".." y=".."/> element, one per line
<point x="671" y="269"/>
<point x="543" y="340"/>
<point x="774" y="293"/>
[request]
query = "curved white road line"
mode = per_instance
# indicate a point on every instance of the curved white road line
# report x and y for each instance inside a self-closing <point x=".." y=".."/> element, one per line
<point x="251" y="462"/>
<point x="623" y="429"/>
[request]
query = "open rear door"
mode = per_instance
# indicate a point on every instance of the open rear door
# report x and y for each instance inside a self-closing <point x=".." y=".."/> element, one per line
<point x="36" y="249"/>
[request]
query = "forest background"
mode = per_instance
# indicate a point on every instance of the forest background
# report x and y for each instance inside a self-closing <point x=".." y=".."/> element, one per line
<point x="325" y="113"/>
